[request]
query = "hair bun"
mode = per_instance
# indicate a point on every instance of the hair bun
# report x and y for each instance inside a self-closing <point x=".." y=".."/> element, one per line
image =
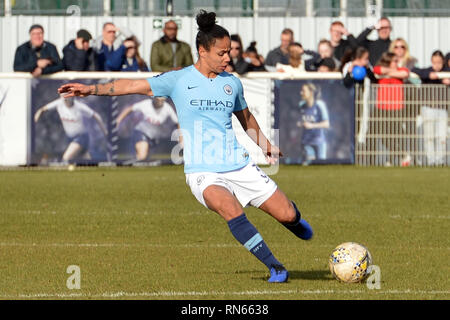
<point x="206" y="21"/>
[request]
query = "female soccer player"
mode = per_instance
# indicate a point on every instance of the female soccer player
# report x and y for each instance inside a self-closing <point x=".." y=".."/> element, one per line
<point x="218" y="170"/>
<point x="314" y="120"/>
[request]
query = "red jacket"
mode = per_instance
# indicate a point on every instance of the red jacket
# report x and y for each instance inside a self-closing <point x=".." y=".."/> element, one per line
<point x="390" y="92"/>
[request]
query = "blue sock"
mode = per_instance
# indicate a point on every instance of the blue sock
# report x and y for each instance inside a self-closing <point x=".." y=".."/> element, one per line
<point x="248" y="236"/>
<point x="299" y="227"/>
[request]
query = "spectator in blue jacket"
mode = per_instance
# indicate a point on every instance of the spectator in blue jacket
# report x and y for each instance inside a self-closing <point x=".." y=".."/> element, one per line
<point x="78" y="55"/>
<point x="133" y="60"/>
<point x="37" y="56"/>
<point x="109" y="48"/>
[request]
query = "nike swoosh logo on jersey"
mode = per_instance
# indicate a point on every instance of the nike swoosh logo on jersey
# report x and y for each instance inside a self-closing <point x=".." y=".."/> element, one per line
<point x="189" y="88"/>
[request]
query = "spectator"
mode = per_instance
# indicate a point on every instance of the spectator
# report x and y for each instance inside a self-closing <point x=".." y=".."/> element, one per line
<point x="327" y="65"/>
<point x="390" y="103"/>
<point x="340" y="45"/>
<point x="359" y="57"/>
<point x="237" y="62"/>
<point x="377" y="47"/>
<point x="281" y="53"/>
<point x="296" y="63"/>
<point x="133" y="60"/>
<point x="325" y="50"/>
<point x="401" y="50"/>
<point x="447" y="60"/>
<point x="109" y="48"/>
<point x="78" y="56"/>
<point x="253" y="58"/>
<point x="37" y="56"/>
<point x="429" y="75"/>
<point x="169" y="53"/>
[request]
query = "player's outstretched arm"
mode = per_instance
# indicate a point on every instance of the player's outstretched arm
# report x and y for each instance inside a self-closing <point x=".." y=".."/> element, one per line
<point x="123" y="115"/>
<point x="251" y="127"/>
<point x="114" y="88"/>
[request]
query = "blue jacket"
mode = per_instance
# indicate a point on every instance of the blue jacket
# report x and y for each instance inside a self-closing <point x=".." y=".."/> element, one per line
<point x="134" y="66"/>
<point x="110" y="60"/>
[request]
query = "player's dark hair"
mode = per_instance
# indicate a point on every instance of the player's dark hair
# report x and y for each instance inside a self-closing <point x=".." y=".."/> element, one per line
<point x="208" y="30"/>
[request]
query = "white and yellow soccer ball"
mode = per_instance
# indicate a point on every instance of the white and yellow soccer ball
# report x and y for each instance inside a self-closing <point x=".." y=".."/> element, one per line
<point x="349" y="262"/>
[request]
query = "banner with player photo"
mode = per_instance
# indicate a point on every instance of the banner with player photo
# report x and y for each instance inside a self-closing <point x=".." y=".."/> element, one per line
<point x="315" y="119"/>
<point x="129" y="130"/>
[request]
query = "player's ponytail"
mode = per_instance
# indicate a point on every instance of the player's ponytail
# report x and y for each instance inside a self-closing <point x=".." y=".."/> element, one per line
<point x="208" y="30"/>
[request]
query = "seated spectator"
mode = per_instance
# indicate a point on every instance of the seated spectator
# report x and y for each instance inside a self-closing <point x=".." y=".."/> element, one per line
<point x="325" y="50"/>
<point x="253" y="58"/>
<point x="327" y="65"/>
<point x="401" y="50"/>
<point x="169" y="53"/>
<point x="340" y="45"/>
<point x="133" y="60"/>
<point x="428" y="75"/>
<point x="78" y="55"/>
<point x="377" y="47"/>
<point x="37" y="56"/>
<point x="359" y="57"/>
<point x="296" y="63"/>
<point x="109" y="48"/>
<point x="281" y="53"/>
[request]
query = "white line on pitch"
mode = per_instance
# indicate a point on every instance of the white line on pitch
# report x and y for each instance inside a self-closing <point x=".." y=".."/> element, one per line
<point x="220" y="293"/>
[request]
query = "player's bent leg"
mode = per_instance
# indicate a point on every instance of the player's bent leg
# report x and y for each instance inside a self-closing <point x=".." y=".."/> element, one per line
<point x="222" y="201"/>
<point x="73" y="149"/>
<point x="287" y="213"/>
<point x="142" y="148"/>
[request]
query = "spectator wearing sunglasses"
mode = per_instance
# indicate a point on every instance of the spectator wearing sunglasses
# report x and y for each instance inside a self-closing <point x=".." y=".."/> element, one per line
<point x="401" y="50"/>
<point x="78" y="55"/>
<point x="133" y="60"/>
<point x="381" y="45"/>
<point x="109" y="47"/>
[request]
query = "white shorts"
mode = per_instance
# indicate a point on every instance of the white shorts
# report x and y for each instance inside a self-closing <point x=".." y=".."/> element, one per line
<point x="250" y="185"/>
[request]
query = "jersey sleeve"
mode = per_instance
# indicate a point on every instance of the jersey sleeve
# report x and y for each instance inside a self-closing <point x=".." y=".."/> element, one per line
<point x="323" y="110"/>
<point x="85" y="110"/>
<point x="52" y="105"/>
<point x="171" y="112"/>
<point x="240" y="103"/>
<point x="163" y="84"/>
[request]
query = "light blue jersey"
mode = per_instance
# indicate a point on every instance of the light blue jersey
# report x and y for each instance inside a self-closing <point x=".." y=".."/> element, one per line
<point x="204" y="107"/>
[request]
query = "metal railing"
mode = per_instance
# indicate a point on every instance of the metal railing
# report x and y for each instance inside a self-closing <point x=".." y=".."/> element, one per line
<point x="402" y="125"/>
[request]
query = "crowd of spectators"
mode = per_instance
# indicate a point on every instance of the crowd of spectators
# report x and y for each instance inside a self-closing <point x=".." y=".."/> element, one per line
<point x="118" y="50"/>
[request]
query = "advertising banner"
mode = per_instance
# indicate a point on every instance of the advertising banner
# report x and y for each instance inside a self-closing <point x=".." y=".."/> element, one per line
<point x="130" y="130"/>
<point x="14" y="121"/>
<point x="315" y="119"/>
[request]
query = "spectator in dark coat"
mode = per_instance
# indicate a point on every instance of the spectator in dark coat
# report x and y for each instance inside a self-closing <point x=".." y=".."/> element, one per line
<point x="381" y="45"/>
<point x="341" y="45"/>
<point x="447" y="60"/>
<point x="281" y="53"/>
<point x="325" y="50"/>
<point x="37" y="56"/>
<point x="133" y="60"/>
<point x="428" y="75"/>
<point x="78" y="56"/>
<point x="359" y="57"/>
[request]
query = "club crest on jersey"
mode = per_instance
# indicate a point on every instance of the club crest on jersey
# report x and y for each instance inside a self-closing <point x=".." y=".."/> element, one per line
<point x="200" y="179"/>
<point x="228" y="89"/>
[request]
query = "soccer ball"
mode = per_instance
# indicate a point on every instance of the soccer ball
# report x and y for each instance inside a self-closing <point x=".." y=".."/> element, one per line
<point x="349" y="262"/>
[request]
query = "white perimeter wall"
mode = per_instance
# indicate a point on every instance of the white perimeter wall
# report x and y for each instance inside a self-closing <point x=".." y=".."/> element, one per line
<point x="423" y="34"/>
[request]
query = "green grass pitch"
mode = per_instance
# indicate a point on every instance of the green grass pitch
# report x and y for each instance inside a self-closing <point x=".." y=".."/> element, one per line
<point x="138" y="233"/>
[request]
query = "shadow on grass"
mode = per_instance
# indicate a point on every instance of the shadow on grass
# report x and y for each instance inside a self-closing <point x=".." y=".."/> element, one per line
<point x="296" y="274"/>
